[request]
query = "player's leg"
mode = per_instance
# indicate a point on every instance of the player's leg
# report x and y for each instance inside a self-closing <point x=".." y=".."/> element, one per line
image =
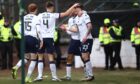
<point x="31" y="67"/>
<point x="27" y="56"/>
<point x="50" y="50"/>
<point x="69" y="65"/>
<point x="18" y="65"/>
<point x="69" y="60"/>
<point x="34" y="45"/>
<point x="40" y="64"/>
<point x="40" y="67"/>
<point x="86" y="50"/>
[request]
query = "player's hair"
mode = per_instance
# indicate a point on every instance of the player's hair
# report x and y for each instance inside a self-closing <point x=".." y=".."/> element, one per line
<point x="49" y="4"/>
<point x="80" y="6"/>
<point x="32" y="7"/>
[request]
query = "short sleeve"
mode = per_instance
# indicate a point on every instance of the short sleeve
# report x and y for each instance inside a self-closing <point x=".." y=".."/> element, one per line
<point x="69" y="23"/>
<point x="56" y="15"/>
<point x="39" y="18"/>
<point x="87" y="18"/>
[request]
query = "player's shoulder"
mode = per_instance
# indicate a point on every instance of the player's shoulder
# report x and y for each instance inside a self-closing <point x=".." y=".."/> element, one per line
<point x="85" y="14"/>
<point x="26" y="15"/>
<point x="71" y="18"/>
<point x="41" y="14"/>
<point x="30" y="15"/>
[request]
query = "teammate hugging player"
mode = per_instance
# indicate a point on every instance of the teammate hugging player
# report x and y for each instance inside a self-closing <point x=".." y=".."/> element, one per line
<point x="31" y="32"/>
<point x="84" y="26"/>
<point x="74" y="46"/>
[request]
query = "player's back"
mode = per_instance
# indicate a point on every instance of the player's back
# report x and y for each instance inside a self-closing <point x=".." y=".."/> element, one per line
<point x="48" y="22"/>
<point x="30" y="21"/>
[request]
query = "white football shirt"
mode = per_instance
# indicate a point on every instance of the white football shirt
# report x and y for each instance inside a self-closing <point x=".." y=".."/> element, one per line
<point x="30" y="22"/>
<point x="74" y="35"/>
<point x="48" y="23"/>
<point x="82" y="22"/>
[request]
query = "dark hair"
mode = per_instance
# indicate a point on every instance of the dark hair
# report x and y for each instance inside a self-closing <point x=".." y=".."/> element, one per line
<point x="80" y="6"/>
<point x="49" y="4"/>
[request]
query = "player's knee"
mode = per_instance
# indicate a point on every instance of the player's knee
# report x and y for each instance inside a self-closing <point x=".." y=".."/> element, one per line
<point x="51" y="57"/>
<point x="33" y="56"/>
<point x="69" y="60"/>
<point x="27" y="56"/>
<point x="40" y="56"/>
<point x="85" y="57"/>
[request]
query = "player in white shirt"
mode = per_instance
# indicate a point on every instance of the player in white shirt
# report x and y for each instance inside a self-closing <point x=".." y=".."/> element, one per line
<point x="84" y="27"/>
<point x="31" y="33"/>
<point x="74" y="46"/>
<point x="48" y="23"/>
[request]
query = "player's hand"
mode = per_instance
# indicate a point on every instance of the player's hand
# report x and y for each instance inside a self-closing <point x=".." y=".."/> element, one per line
<point x="76" y="4"/>
<point x="63" y="27"/>
<point x="84" y="39"/>
<point x="41" y="44"/>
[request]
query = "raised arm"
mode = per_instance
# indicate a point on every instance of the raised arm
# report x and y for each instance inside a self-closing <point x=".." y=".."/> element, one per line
<point x="66" y="13"/>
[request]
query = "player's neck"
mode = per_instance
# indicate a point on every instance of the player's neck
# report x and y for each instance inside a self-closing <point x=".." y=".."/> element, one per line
<point x="49" y="11"/>
<point x="32" y="13"/>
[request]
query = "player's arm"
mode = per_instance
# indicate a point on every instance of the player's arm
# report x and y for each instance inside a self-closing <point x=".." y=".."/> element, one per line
<point x="38" y="27"/>
<point x="89" y="26"/>
<point x="39" y="35"/>
<point x="71" y="29"/>
<point x="66" y="13"/>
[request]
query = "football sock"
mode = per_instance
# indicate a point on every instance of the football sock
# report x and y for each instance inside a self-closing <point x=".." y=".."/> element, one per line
<point x="31" y="68"/>
<point x="53" y="69"/>
<point x="68" y="70"/>
<point x="88" y="67"/>
<point x="18" y="65"/>
<point x="40" y="68"/>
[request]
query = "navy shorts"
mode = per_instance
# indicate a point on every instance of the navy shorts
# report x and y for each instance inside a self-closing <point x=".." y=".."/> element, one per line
<point x="31" y="44"/>
<point x="87" y="46"/>
<point x="48" y="46"/>
<point x="74" y="47"/>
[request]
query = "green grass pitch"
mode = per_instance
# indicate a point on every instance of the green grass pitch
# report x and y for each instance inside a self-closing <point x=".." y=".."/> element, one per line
<point x="127" y="76"/>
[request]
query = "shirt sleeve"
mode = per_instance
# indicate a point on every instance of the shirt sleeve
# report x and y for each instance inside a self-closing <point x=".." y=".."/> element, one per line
<point x="87" y="18"/>
<point x="69" y="24"/>
<point x="38" y="28"/>
<point x="56" y="15"/>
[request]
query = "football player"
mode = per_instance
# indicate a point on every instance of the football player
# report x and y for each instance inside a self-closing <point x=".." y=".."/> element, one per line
<point x="74" y="46"/>
<point x="48" y="23"/>
<point x="84" y="27"/>
<point x="31" y="33"/>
